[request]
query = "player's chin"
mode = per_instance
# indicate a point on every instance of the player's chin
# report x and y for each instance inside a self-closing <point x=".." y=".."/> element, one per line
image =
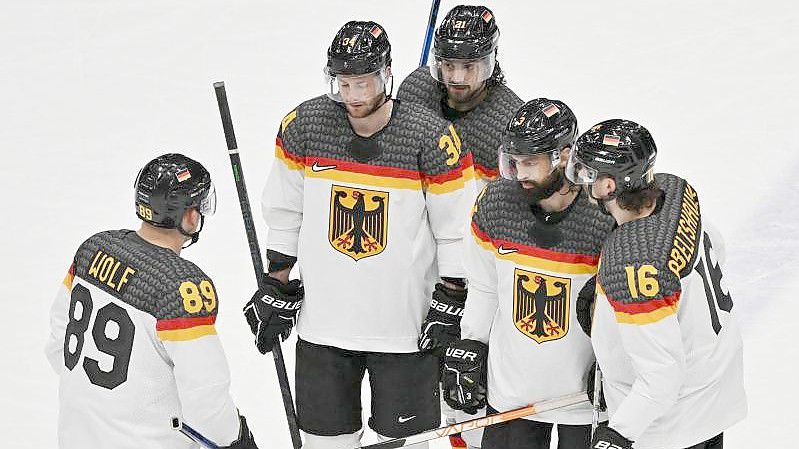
<point x="459" y="92"/>
<point x="358" y="110"/>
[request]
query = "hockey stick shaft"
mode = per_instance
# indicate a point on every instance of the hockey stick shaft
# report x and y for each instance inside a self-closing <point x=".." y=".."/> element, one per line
<point x="596" y="399"/>
<point x="490" y="420"/>
<point x="431" y="27"/>
<point x="192" y="434"/>
<point x="255" y="253"/>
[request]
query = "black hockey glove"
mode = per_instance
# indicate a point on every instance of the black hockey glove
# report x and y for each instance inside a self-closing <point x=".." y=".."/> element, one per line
<point x="442" y="325"/>
<point x="272" y="311"/>
<point x="463" y="379"/>
<point x="585" y="305"/>
<point x="607" y="438"/>
<point x="590" y="389"/>
<point x="245" y="440"/>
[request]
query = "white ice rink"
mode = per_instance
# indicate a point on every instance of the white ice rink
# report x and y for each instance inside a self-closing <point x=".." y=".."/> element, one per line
<point x="93" y="89"/>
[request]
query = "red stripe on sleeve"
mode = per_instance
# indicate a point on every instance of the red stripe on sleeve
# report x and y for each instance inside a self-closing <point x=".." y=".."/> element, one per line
<point x="645" y="307"/>
<point x="184" y="323"/>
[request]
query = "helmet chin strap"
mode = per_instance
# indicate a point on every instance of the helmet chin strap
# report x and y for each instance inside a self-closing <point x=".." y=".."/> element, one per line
<point x="195" y="236"/>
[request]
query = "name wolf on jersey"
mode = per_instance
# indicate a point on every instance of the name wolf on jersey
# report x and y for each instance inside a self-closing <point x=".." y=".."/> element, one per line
<point x="104" y="268"/>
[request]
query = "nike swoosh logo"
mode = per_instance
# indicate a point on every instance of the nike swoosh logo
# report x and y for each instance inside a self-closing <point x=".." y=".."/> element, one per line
<point x="502" y="250"/>
<point x="402" y="419"/>
<point x="317" y="168"/>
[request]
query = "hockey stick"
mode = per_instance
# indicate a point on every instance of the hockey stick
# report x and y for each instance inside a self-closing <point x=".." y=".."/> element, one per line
<point x="490" y="420"/>
<point x="255" y="253"/>
<point x="596" y="399"/>
<point x="431" y="27"/>
<point x="192" y="434"/>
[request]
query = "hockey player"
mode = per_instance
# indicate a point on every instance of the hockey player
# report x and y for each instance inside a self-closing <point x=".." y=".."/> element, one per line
<point x="663" y="331"/>
<point x="535" y="243"/>
<point x="464" y="84"/>
<point x="361" y="195"/>
<point x="132" y="334"/>
<point x="467" y="85"/>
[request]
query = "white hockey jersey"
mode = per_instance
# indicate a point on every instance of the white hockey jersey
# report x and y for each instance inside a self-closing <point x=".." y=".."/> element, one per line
<point x="132" y="339"/>
<point x="663" y="330"/>
<point x="524" y="277"/>
<point x="373" y="222"/>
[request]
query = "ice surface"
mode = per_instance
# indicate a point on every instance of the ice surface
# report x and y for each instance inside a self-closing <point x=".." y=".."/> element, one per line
<point x="93" y="89"/>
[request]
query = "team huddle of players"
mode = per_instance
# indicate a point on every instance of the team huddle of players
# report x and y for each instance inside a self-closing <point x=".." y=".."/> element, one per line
<point x="442" y="267"/>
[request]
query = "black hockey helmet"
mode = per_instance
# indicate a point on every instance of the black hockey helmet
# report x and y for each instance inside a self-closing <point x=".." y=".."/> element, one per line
<point x="169" y="185"/>
<point x="359" y="48"/>
<point x="467" y="32"/>
<point x="618" y="148"/>
<point x="540" y="126"/>
<point x="466" y="43"/>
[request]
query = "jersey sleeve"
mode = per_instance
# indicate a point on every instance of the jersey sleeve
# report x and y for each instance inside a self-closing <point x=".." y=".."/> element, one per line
<point x="282" y="199"/>
<point x="59" y="316"/>
<point x="481" y="271"/>
<point x="448" y="177"/>
<point x="645" y="306"/>
<point x="200" y="368"/>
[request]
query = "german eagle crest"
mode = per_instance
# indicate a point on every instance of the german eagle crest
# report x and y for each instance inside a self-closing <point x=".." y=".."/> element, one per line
<point x="358" y="221"/>
<point x="541" y="305"/>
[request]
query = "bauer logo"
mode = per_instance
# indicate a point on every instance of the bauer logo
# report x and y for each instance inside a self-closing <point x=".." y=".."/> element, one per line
<point x="358" y="225"/>
<point x="541" y="305"/>
<point x="461" y="354"/>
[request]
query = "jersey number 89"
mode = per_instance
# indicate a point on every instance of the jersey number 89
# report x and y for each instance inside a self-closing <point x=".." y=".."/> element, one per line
<point x="119" y="347"/>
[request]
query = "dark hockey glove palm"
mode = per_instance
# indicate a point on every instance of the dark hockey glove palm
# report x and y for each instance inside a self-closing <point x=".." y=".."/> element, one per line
<point x="246" y="440"/>
<point x="607" y="438"/>
<point x="272" y="311"/>
<point x="442" y="325"/>
<point x="585" y="305"/>
<point x="463" y="379"/>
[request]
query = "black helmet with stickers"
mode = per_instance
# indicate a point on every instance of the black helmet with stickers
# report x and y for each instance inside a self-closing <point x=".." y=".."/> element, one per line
<point x="467" y="33"/>
<point x="540" y="126"/>
<point x="169" y="185"/>
<point x="618" y="148"/>
<point x="359" y="48"/>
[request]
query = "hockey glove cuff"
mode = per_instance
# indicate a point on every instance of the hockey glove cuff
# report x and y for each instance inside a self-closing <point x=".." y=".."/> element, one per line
<point x="272" y="311"/>
<point x="442" y="325"/>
